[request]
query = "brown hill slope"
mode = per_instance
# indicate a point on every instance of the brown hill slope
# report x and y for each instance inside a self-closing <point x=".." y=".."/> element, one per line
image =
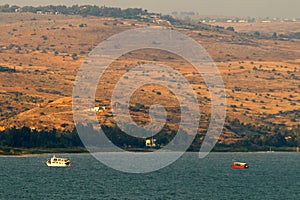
<point x="44" y="52"/>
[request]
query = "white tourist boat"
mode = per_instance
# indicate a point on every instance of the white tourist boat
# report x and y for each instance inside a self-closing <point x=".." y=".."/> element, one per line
<point x="58" y="162"/>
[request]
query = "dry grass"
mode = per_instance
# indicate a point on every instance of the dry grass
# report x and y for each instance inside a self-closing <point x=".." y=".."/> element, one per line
<point x="261" y="77"/>
<point x="269" y="28"/>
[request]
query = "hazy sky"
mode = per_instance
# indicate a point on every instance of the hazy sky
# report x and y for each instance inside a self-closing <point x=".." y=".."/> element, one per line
<point x="252" y="8"/>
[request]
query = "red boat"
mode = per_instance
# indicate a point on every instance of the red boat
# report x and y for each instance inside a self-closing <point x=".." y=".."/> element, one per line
<point x="239" y="165"/>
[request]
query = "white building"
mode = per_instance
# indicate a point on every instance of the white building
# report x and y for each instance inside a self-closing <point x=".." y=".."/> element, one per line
<point x="151" y="143"/>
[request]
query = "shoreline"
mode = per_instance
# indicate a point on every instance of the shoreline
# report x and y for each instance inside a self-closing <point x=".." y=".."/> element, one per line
<point x="8" y="151"/>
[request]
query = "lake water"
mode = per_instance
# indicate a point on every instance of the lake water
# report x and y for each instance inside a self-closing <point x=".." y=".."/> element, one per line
<point x="270" y="176"/>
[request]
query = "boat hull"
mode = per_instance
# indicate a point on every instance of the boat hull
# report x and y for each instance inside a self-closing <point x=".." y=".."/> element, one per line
<point x="239" y="167"/>
<point x="57" y="165"/>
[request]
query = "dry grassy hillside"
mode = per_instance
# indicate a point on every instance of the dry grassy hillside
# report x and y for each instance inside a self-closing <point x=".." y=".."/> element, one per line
<point x="264" y="27"/>
<point x="43" y="53"/>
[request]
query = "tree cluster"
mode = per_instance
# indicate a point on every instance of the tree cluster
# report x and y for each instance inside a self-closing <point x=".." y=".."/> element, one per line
<point x="253" y="137"/>
<point x="84" y="10"/>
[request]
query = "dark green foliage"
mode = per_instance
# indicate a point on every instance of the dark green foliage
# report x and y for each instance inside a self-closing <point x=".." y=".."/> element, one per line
<point x="27" y="138"/>
<point x="122" y="139"/>
<point x="7" y="69"/>
<point x="256" y="34"/>
<point x="265" y="136"/>
<point x="84" y="10"/>
<point x="230" y="28"/>
<point x="252" y="137"/>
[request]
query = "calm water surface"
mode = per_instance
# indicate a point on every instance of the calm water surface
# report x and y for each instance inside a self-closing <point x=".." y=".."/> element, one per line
<point x="270" y="176"/>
